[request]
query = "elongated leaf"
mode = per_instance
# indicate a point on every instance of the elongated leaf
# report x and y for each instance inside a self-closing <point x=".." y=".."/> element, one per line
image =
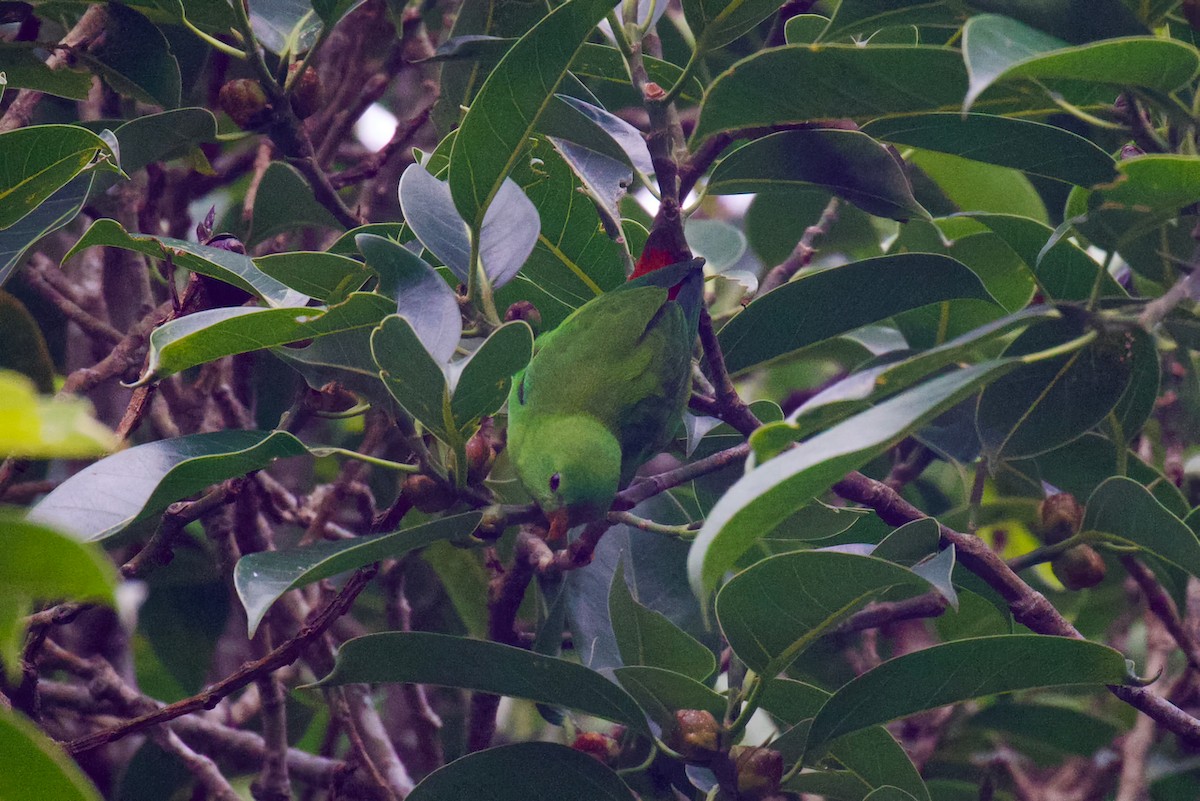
<point x="285" y="202"/>
<point x="411" y="375"/>
<point x="159" y="137"/>
<point x="38" y="768"/>
<point x="213" y="333"/>
<point x="285" y="26"/>
<point x="839" y="80"/>
<point x="958" y="671"/>
<point x="107" y="497"/>
<point x="424" y="298"/>
<point x="998" y="48"/>
<point x="41" y="563"/>
<point x="1029" y="146"/>
<point x="768" y="626"/>
<point x="36" y="161"/>
<point x="627" y="138"/>
<point x="41" y="427"/>
<point x="423" y="658"/>
<point x="24" y="70"/>
<point x="323" y="276"/>
<point x="849" y="164"/>
<point x="1065" y="729"/>
<point x="504" y="113"/>
<point x="1124" y="509"/>
<point x="646" y="637"/>
<point x="662" y="693"/>
<point x="51" y="214"/>
<point x="529" y="770"/>
<point x="224" y="265"/>
<point x="858" y="17"/>
<point x="719" y="22"/>
<point x="881" y="287"/>
<point x="871" y="754"/>
<point x="771" y="493"/>
<point x="261" y="578"/>
<point x="135" y="59"/>
<point x="482" y="380"/>
<point x="1054" y="401"/>
<point x="606" y="63"/>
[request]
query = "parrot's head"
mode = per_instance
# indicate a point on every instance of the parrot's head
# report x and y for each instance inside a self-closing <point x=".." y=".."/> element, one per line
<point x="571" y="465"/>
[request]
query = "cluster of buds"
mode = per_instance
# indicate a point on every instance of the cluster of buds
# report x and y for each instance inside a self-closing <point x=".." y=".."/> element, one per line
<point x="246" y="102"/>
<point x="1059" y="518"/>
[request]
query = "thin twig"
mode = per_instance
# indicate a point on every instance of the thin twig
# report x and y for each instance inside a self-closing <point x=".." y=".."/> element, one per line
<point x="97" y="329"/>
<point x="1163" y="607"/>
<point x="802" y="255"/>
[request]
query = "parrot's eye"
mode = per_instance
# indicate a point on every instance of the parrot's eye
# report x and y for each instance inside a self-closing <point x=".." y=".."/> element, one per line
<point x="554" y="482"/>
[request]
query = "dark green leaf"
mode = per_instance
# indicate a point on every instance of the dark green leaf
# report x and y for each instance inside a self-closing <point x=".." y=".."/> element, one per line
<point x="480" y="382"/>
<point x="261" y="578"/>
<point x="607" y="63"/>
<point x="959" y="671"/>
<point x="977" y="186"/>
<point x="528" y="770"/>
<point x="627" y="138"/>
<point x="51" y="214"/>
<point x="998" y="49"/>
<point x="1077" y="21"/>
<point x="646" y="637"/>
<point x="662" y="693"/>
<point x="1123" y="509"/>
<point x="769" y="494"/>
<point x="285" y="202"/>
<point x="285" y="26"/>
<point x="36" y="161"/>
<point x="423" y="658"/>
<point x="135" y="59"/>
<point x="805" y="29"/>
<point x="24" y="70"/>
<point x="411" y="375"/>
<point x="1048" y="403"/>
<point x="850" y="164"/>
<point x="224" y="265"/>
<point x="107" y="497"/>
<point x="424" y="297"/>
<point x="719" y="22"/>
<point x="503" y="115"/>
<point x="207" y="335"/>
<point x="322" y="276"/>
<point x="37" y="766"/>
<point x="864" y="17"/>
<point x="775" y="609"/>
<point x="1029" y="146"/>
<point x="1065" y="729"/>
<point x="331" y="11"/>
<point x="880" y="287"/>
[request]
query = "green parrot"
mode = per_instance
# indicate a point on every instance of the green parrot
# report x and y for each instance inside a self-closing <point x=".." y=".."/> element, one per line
<point x="604" y="392"/>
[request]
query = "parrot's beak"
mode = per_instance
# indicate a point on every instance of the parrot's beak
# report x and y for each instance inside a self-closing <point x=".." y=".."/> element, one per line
<point x="560" y="522"/>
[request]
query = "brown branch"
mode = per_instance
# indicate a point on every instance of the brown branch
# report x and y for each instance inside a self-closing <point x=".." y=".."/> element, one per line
<point x="206" y="772"/>
<point x="35" y="276"/>
<point x="802" y="255"/>
<point x="653" y="485"/>
<point x="372" y="164"/>
<point x="284" y="654"/>
<point x="1163" y="607"/>
<point x="730" y="407"/>
<point x="87" y="30"/>
<point x="931" y="604"/>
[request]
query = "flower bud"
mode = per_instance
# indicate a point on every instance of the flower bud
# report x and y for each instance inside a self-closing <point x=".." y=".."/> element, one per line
<point x="481" y="451"/>
<point x="1079" y="568"/>
<point x="1059" y="517"/>
<point x="696" y="736"/>
<point x="306" y="91"/>
<point x="759" y="771"/>
<point x="244" y="100"/>
<point x="524" y="310"/>
<point x="427" y="494"/>
<point x="604" y="748"/>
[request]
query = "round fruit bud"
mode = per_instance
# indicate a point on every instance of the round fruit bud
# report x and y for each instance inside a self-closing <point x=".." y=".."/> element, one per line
<point x="427" y="494"/>
<point x="244" y="100"/>
<point x="1079" y="568"/>
<point x="1131" y="152"/>
<point x="604" y="748"/>
<point x="480" y="453"/>
<point x="524" y="310"/>
<point x="759" y="771"/>
<point x="306" y="91"/>
<point x="1059" y="517"/>
<point x="696" y="736"/>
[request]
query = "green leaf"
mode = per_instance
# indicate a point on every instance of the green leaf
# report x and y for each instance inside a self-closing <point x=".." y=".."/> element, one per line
<point x="805" y="29"/>
<point x="871" y="754"/>
<point x="976" y="186"/>
<point x="768" y="495"/>
<point x="839" y="80"/>
<point x="465" y="580"/>
<point x="424" y="658"/>
<point x="1051" y="402"/>
<point x="888" y="793"/>
<point x="849" y="164"/>
<point x="768" y="629"/>
<point x="998" y="49"/>
<point x="719" y="243"/>
<point x="646" y="637"/>
<point x="959" y="671"/>
<point x="1123" y="509"/>
<point x="481" y="381"/>
<point x="323" y="276"/>
<point x="39" y="427"/>
<point x="1078" y="21"/>
<point x="107" y="497"/>
<point x="285" y="26"/>
<point x="881" y="287"/>
<point x="857" y="17"/>
<point x="232" y="268"/>
<point x="285" y="202"/>
<point x="160" y="137"/>
<point x="331" y="11"/>
<point x="135" y="59"/>
<point x="40" y="563"/>
<point x="523" y="771"/>
<point x="38" y="160"/>
<point x="24" y="70"/>
<point x="1067" y="730"/>
<point x="1032" y="147"/>
<point x="504" y="113"/>
<point x="719" y="22"/>
<point x="662" y="693"/>
<point x="211" y="334"/>
<point x="606" y="63"/>
<point x="51" y="214"/>
<point x="411" y="375"/>
<point x="37" y="767"/>
<point x="261" y="578"/>
<point x="624" y="140"/>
